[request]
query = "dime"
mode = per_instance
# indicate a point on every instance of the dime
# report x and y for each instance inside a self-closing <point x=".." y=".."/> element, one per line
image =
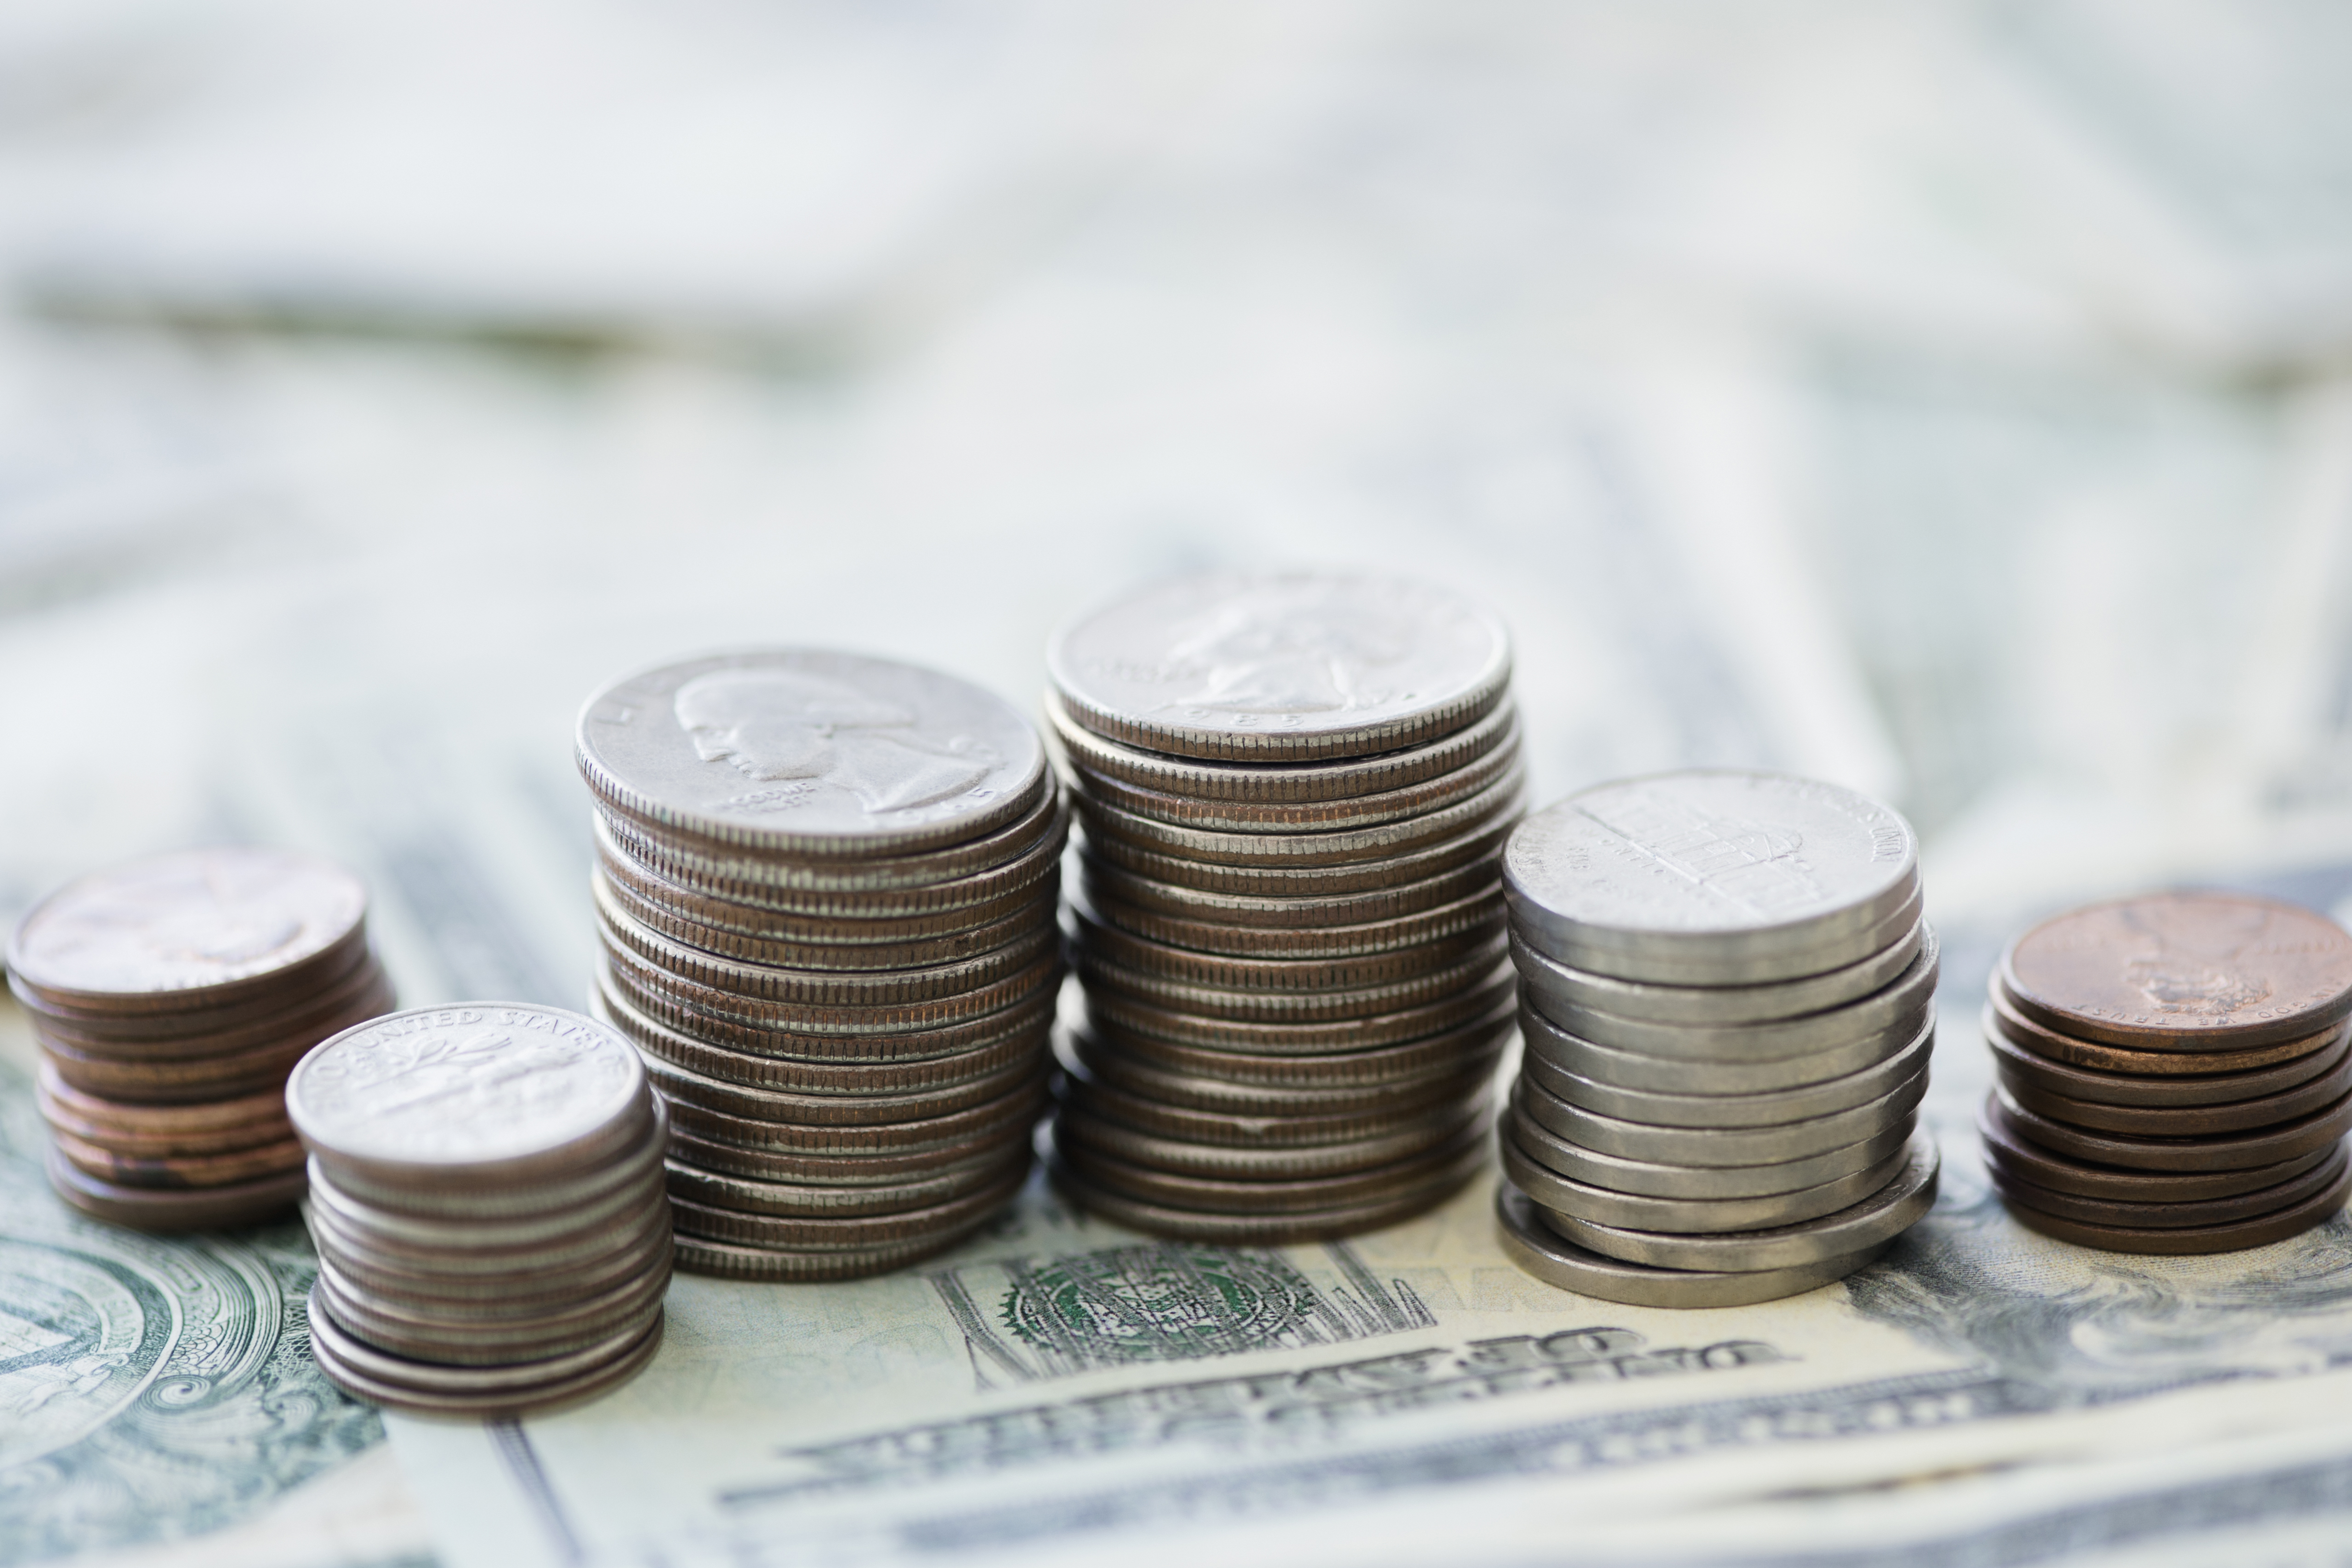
<point x="1266" y="1228"/>
<point x="2180" y="1240"/>
<point x="1279" y="785"/>
<point x="534" y="1280"/>
<point x="1556" y="1260"/>
<point x="232" y="1168"/>
<point x="2067" y="1050"/>
<point x="1650" y="1178"/>
<point x="1692" y="1215"/>
<point x="810" y="754"/>
<point x="1115" y="1012"/>
<point x="1475" y="916"/>
<point x="2183" y="972"/>
<point x="475" y="1392"/>
<point x="1720" y="1005"/>
<point x="502" y="1346"/>
<point x="1217" y="814"/>
<point x="1106" y="885"/>
<point x="2013" y="1156"/>
<point x="2110" y="1088"/>
<point x="1895" y="1007"/>
<point x="1290" y="667"/>
<point x="469" y="1095"/>
<point x="2222" y="1152"/>
<point x="202" y="928"/>
<point x="1639" y="1071"/>
<point x="161" y="1209"/>
<point x="1714" y="1146"/>
<point x="1756" y="876"/>
<point x="1287" y="881"/>
<point x="2185" y="1120"/>
<point x="1770" y="1109"/>
<point x="1383" y="841"/>
<point x="2254" y="1204"/>
<point x="1880" y="1217"/>
<point x="747" y="1194"/>
<point x="1272" y="1006"/>
<point x="1181" y="966"/>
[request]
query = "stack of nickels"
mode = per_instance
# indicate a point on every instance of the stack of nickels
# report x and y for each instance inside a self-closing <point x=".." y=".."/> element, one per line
<point x="169" y="997"/>
<point x="827" y="891"/>
<point x="1293" y="791"/>
<point x="1727" y="1001"/>
<point x="2174" y="1073"/>
<point x="486" y="1198"/>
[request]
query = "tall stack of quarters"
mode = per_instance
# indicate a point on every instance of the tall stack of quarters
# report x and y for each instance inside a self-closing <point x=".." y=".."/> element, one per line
<point x="1728" y="996"/>
<point x="170" y="998"/>
<point x="1292" y="792"/>
<point x="827" y="887"/>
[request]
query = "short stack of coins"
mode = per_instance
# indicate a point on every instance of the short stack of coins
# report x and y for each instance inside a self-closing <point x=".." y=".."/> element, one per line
<point x="487" y="1200"/>
<point x="1727" y="1004"/>
<point x="2174" y="1073"/>
<point x="169" y="997"/>
<point x="827" y="891"/>
<point x="1293" y="791"/>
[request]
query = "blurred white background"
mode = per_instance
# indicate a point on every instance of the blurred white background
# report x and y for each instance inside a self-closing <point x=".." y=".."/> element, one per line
<point x="1951" y="398"/>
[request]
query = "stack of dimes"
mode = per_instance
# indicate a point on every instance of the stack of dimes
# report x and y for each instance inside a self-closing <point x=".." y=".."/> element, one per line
<point x="171" y="996"/>
<point x="485" y="1195"/>
<point x="825" y="887"/>
<point x="1729" y="1005"/>
<point x="2174" y="1073"/>
<point x="1294" y="791"/>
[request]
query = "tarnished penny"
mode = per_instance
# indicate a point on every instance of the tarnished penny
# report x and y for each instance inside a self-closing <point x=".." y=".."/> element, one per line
<point x="2254" y="1204"/>
<point x="2183" y="972"/>
<point x="2172" y="1088"/>
<point x="2218" y="1151"/>
<point x="275" y="1015"/>
<point x="1281" y="666"/>
<point x="808" y="753"/>
<point x="159" y="1209"/>
<point x="2001" y="1012"/>
<point x="198" y="928"/>
<point x="2316" y="1209"/>
<point x="2184" y="1121"/>
<point x="176" y="1172"/>
<point x="2012" y="1154"/>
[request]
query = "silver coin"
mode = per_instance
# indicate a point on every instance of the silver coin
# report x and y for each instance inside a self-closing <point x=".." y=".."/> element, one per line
<point x="1217" y="814"/>
<point x="486" y="1093"/>
<point x="1270" y="1227"/>
<point x="1719" y="1146"/>
<point x="474" y="1345"/>
<point x="697" y="862"/>
<point x="1477" y="879"/>
<point x="1253" y="1130"/>
<point x="728" y="1260"/>
<point x="1640" y="1070"/>
<point x="1710" y="971"/>
<point x="1121" y="1014"/>
<point x="1480" y="913"/>
<point x="1281" y="666"/>
<point x="990" y="1147"/>
<point x="802" y="952"/>
<point x="1024" y="1015"/>
<point x="849" y="1233"/>
<point x="366" y="1255"/>
<point x="809" y="753"/>
<point x="1744" y="871"/>
<point x="1702" y="1216"/>
<point x="1550" y="1258"/>
<point x="1735" y="1108"/>
<point x="1880" y="1217"/>
<point x="1189" y="966"/>
<point x="1418" y="1059"/>
<point x="749" y="1195"/>
<point x="700" y="1001"/>
<point x="1450" y="1079"/>
<point x="521" y="1200"/>
<point x="404" y="1374"/>
<point x="678" y="1086"/>
<point x="1002" y="1117"/>
<point x="1895" y="1006"/>
<point x="430" y="1236"/>
<point x="1279" y="783"/>
<point x="1077" y="1127"/>
<point x="1272" y="1006"/>
<point x="1474" y="845"/>
<point x="1657" y="1179"/>
<point x="1334" y="847"/>
<point x="621" y="1257"/>
<point x="1719" y="1006"/>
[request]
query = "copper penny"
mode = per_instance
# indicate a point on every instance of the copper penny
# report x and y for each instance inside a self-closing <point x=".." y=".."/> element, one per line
<point x="2192" y="1240"/>
<point x="2176" y="1089"/>
<point x="2219" y="1152"/>
<point x="151" y="1208"/>
<point x="2009" y="1151"/>
<point x="211" y="1117"/>
<point x="179" y="1083"/>
<point x="2098" y="1057"/>
<point x="2172" y="1216"/>
<point x="2183" y="972"/>
<point x="275" y="1014"/>
<point x="2184" y="1121"/>
<point x="180" y="1171"/>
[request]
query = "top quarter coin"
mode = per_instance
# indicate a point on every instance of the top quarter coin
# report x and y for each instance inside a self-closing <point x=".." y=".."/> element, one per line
<point x="2183" y="972"/>
<point x="1281" y="666"/>
<point x="1760" y="873"/>
<point x="484" y="1091"/>
<point x="810" y="754"/>
<point x="199" y="928"/>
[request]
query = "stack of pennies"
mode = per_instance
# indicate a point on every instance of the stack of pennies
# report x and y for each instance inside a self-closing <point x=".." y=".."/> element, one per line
<point x="169" y="997"/>
<point x="826" y="888"/>
<point x="2174" y="1073"/>
<point x="486" y="1195"/>
<point x="1293" y="791"/>
<point x="1728" y="1002"/>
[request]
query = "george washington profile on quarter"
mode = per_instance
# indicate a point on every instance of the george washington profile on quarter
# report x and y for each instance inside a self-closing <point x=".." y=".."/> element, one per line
<point x="777" y="724"/>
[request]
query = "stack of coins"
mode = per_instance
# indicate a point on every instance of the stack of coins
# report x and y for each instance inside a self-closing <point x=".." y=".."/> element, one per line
<point x="1292" y="792"/>
<point x="1727" y="1003"/>
<point x="826" y="888"/>
<point x="485" y="1195"/>
<point x="169" y="997"/>
<point x="2174" y="1073"/>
